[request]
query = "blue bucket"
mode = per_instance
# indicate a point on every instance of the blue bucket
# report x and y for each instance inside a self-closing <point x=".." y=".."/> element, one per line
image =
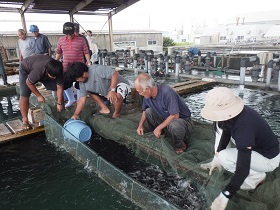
<point x="77" y="128"/>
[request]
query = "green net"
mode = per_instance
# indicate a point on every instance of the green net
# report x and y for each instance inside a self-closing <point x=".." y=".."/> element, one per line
<point x="121" y="182"/>
<point x="200" y="150"/>
<point x="159" y="152"/>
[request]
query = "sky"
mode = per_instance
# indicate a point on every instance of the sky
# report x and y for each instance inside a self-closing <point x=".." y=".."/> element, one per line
<point x="159" y="15"/>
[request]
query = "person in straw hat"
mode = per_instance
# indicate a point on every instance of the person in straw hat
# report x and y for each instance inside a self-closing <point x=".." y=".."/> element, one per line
<point x="257" y="147"/>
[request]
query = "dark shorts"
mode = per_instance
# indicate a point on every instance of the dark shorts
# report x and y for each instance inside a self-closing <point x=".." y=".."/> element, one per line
<point x="24" y="89"/>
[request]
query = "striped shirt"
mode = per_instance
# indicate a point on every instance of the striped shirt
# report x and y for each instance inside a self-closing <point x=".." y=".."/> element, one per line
<point x="73" y="50"/>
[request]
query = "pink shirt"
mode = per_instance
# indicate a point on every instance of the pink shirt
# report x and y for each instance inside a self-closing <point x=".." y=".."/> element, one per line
<point x="72" y="50"/>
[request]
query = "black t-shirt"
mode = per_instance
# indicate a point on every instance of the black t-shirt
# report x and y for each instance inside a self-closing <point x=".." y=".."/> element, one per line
<point x="35" y="67"/>
<point x="248" y="129"/>
<point x="251" y="130"/>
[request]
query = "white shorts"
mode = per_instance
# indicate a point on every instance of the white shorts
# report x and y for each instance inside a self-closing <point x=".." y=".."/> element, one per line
<point x="123" y="89"/>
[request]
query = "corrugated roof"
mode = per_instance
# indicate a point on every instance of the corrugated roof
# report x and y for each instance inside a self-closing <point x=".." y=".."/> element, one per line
<point x="87" y="7"/>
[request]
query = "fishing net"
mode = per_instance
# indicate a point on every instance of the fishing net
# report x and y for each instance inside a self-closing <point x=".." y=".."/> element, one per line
<point x="160" y="152"/>
<point x="200" y="150"/>
<point x="118" y="180"/>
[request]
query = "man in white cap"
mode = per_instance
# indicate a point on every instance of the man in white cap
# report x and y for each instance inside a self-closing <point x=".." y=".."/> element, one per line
<point x="257" y="147"/>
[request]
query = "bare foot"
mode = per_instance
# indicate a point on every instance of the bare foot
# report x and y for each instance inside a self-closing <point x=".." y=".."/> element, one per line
<point x="26" y="126"/>
<point x="115" y="116"/>
<point x="104" y="111"/>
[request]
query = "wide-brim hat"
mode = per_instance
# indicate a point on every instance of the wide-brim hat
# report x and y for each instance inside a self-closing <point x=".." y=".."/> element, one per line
<point x="68" y="28"/>
<point x="221" y="104"/>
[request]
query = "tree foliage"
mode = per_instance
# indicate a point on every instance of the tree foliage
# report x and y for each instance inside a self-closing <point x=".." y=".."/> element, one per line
<point x="167" y="41"/>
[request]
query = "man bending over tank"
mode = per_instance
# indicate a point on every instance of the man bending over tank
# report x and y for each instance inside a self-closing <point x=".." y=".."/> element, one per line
<point x="99" y="81"/>
<point x="39" y="68"/>
<point x="164" y="110"/>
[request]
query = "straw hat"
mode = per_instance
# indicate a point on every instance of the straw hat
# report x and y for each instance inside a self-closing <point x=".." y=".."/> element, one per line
<point x="221" y="104"/>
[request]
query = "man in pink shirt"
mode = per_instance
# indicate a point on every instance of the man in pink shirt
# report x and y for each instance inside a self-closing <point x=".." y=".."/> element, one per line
<point x="71" y="48"/>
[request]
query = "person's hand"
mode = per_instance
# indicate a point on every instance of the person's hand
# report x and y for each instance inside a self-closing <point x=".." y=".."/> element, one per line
<point x="112" y="97"/>
<point x="215" y="163"/>
<point x="157" y="132"/>
<point x="88" y="63"/>
<point x="75" y="117"/>
<point x="41" y="99"/>
<point x="220" y="203"/>
<point x="140" y="130"/>
<point x="60" y="107"/>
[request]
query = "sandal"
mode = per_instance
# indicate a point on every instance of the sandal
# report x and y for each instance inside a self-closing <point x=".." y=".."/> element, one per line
<point x="26" y="126"/>
<point x="181" y="149"/>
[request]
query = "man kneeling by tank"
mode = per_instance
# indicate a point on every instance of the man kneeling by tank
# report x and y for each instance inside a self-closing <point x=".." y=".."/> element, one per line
<point x="99" y="81"/>
<point x="164" y="110"/>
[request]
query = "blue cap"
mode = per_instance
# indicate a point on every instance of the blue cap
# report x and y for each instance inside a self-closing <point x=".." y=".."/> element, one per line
<point x="33" y="28"/>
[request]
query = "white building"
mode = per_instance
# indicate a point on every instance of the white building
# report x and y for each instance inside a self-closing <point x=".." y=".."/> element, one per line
<point x="252" y="27"/>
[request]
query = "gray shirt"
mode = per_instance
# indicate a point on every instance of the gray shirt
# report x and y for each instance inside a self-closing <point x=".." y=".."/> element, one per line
<point x="99" y="80"/>
<point x="25" y="47"/>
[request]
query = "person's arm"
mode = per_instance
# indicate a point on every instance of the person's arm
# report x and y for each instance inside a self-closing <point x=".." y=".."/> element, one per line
<point x="88" y="59"/>
<point x="112" y="95"/>
<point x="242" y="171"/>
<point x="58" y="51"/>
<point x="240" y="174"/>
<point x="58" y="56"/>
<point x="80" y="105"/>
<point x="86" y="51"/>
<point x="34" y="90"/>
<point x="20" y="56"/>
<point x="50" y="51"/>
<point x="60" y="99"/>
<point x="140" y="129"/>
<point x="48" y="45"/>
<point x="164" y="124"/>
<point x="225" y="139"/>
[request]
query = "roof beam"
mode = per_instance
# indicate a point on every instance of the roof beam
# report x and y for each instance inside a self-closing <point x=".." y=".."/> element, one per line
<point x="80" y="6"/>
<point x="123" y="6"/>
<point x="25" y="6"/>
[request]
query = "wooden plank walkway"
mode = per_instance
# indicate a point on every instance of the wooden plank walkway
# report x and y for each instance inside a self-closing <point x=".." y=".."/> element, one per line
<point x="11" y="130"/>
<point x="192" y="86"/>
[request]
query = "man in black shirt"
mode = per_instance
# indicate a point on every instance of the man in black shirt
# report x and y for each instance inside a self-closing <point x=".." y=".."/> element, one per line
<point x="39" y="68"/>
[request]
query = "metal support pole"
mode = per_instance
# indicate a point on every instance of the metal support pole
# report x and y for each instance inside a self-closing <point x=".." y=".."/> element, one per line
<point x="149" y="70"/>
<point x="135" y="60"/>
<point x="199" y="58"/>
<point x="243" y="70"/>
<point x="178" y="66"/>
<point x="167" y="65"/>
<point x="111" y="31"/>
<point x="268" y="78"/>
<point x="215" y="60"/>
<point x="146" y="63"/>
<point x="103" y="58"/>
<point x="268" y="73"/>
